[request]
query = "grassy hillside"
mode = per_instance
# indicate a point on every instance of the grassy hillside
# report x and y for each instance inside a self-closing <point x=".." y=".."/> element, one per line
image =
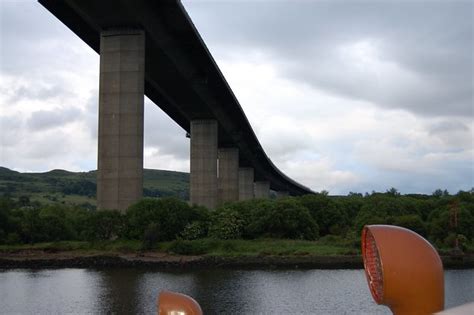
<point x="80" y="187"/>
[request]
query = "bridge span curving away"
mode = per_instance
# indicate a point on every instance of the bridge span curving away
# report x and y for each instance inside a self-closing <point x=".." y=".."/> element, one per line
<point x="152" y="48"/>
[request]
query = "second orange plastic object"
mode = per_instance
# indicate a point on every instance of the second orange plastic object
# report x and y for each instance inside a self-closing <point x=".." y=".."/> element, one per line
<point x="171" y="303"/>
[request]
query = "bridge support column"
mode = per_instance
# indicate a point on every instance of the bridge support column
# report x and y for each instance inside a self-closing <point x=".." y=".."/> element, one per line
<point x="203" y="179"/>
<point x="262" y="189"/>
<point x="246" y="177"/>
<point x="121" y="97"/>
<point x="282" y="194"/>
<point x="228" y="180"/>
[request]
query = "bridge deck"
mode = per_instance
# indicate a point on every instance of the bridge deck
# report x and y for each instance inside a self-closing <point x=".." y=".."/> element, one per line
<point x="181" y="76"/>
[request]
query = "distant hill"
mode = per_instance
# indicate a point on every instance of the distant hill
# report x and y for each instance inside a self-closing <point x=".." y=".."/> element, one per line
<point x="80" y="187"/>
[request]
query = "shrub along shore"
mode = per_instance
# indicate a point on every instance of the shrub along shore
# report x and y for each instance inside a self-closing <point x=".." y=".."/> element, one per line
<point x="293" y="229"/>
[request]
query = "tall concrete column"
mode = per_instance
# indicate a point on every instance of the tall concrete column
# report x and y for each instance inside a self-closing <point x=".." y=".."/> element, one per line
<point x="282" y="194"/>
<point x="262" y="189"/>
<point x="121" y="96"/>
<point x="246" y="177"/>
<point x="203" y="179"/>
<point x="228" y="175"/>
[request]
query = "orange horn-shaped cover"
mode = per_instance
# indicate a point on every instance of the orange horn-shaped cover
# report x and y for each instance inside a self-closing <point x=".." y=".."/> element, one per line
<point x="171" y="303"/>
<point x="403" y="270"/>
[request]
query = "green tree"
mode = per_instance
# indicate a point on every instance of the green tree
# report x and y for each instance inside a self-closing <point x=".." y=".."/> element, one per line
<point x="290" y="219"/>
<point x="170" y="215"/>
<point x="412" y="222"/>
<point x="329" y="216"/>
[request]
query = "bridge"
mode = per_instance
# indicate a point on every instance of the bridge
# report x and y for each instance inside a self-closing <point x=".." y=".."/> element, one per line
<point x="152" y="48"/>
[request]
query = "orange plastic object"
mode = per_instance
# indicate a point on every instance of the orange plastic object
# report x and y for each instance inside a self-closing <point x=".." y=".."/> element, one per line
<point x="171" y="303"/>
<point x="403" y="270"/>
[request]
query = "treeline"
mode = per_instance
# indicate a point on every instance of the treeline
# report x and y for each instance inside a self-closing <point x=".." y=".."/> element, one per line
<point x="442" y="218"/>
<point x="61" y="185"/>
<point x="83" y="187"/>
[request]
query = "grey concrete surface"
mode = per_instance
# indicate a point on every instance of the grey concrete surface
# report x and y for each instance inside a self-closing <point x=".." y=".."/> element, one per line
<point x="203" y="177"/>
<point x="262" y="189"/>
<point x="246" y="178"/>
<point x="228" y="174"/>
<point x="121" y="98"/>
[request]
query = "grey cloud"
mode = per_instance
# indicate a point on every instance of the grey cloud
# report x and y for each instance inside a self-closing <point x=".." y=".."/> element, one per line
<point x="454" y="134"/>
<point x="37" y="92"/>
<point x="32" y="40"/>
<point x="47" y="119"/>
<point x="430" y="39"/>
<point x="163" y="133"/>
<point x="10" y="131"/>
<point x="448" y="126"/>
<point x="55" y="145"/>
<point x="91" y="114"/>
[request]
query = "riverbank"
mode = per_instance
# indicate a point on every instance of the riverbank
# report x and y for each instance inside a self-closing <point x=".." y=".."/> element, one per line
<point x="160" y="260"/>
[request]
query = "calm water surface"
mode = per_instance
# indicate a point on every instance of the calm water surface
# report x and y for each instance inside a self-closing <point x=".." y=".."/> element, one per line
<point x="132" y="291"/>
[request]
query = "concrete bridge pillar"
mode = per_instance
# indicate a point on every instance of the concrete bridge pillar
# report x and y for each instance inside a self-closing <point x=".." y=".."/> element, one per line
<point x="262" y="189"/>
<point x="282" y="194"/>
<point x="228" y="175"/>
<point x="203" y="178"/>
<point x="246" y="177"/>
<point x="121" y="97"/>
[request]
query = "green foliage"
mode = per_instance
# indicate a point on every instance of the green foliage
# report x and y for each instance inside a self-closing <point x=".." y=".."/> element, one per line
<point x="185" y="247"/>
<point x="281" y="218"/>
<point x="327" y="213"/>
<point x="104" y="225"/>
<point x="289" y="219"/>
<point x="169" y="214"/>
<point x="151" y="235"/>
<point x="253" y="216"/>
<point x="151" y="222"/>
<point x="368" y="216"/>
<point x="79" y="188"/>
<point x="226" y="225"/>
<point x="195" y="230"/>
<point x="440" y="225"/>
<point x="6" y="224"/>
<point x="258" y="247"/>
<point x="412" y="222"/>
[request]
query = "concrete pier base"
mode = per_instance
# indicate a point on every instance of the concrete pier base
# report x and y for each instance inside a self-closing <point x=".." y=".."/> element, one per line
<point x="203" y="177"/>
<point x="121" y="97"/>
<point x="228" y="174"/>
<point x="246" y="177"/>
<point x="262" y="189"/>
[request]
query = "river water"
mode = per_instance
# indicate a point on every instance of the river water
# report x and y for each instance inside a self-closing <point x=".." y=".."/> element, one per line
<point x="134" y="291"/>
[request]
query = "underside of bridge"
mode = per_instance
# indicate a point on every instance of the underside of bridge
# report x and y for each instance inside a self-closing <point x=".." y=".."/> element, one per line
<point x="153" y="48"/>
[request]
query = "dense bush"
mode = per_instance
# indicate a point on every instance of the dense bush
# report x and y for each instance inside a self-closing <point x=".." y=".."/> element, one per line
<point x="338" y="220"/>
<point x="81" y="187"/>
<point x="331" y="218"/>
<point x="170" y="216"/>
<point x="226" y="225"/>
<point x="104" y="225"/>
<point x="252" y="216"/>
<point x="282" y="218"/>
<point x="441" y="226"/>
<point x="289" y="219"/>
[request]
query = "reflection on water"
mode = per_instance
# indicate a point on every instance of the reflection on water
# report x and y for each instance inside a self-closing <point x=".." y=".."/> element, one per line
<point x="134" y="291"/>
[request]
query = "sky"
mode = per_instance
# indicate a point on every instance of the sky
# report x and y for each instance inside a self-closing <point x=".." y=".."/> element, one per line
<point x="344" y="96"/>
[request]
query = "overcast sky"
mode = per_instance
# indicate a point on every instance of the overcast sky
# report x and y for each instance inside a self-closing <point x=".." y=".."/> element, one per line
<point x="343" y="95"/>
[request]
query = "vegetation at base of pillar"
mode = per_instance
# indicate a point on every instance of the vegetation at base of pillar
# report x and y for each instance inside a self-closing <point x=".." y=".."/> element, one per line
<point x="446" y="220"/>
